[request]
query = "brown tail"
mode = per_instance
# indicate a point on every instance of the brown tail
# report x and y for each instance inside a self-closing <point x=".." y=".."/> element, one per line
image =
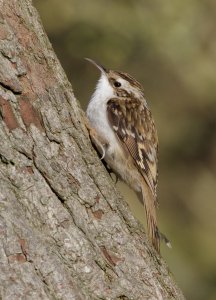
<point x="149" y="203"/>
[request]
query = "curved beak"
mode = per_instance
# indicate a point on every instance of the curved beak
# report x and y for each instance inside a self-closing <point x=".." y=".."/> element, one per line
<point x="99" y="66"/>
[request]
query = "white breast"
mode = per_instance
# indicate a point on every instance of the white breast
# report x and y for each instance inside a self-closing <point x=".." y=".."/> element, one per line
<point x="97" y="112"/>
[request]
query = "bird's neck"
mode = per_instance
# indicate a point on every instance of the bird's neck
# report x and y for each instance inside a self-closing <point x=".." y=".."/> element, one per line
<point x="103" y="91"/>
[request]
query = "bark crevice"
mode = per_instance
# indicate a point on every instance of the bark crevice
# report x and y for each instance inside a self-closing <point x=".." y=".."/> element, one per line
<point x="65" y="231"/>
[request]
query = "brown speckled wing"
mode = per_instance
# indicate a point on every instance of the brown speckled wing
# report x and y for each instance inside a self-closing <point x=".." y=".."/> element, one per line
<point x="132" y="122"/>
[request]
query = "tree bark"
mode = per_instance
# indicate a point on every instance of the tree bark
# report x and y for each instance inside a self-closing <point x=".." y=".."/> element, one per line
<point x="65" y="232"/>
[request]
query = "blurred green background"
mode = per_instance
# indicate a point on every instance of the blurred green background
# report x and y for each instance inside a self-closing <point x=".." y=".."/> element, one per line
<point x="169" y="46"/>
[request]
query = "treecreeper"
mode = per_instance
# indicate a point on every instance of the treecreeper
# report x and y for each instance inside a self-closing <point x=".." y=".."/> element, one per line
<point x="123" y="131"/>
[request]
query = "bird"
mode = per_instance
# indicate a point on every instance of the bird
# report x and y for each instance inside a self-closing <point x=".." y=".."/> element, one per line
<point x="123" y="131"/>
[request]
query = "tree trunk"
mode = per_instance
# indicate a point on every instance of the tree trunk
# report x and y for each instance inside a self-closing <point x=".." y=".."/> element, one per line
<point x="65" y="233"/>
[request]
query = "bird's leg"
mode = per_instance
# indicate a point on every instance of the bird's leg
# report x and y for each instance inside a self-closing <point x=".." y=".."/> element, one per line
<point x="99" y="142"/>
<point x="110" y="171"/>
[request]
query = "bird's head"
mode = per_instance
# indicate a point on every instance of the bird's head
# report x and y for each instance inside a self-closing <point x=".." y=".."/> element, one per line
<point x="116" y="84"/>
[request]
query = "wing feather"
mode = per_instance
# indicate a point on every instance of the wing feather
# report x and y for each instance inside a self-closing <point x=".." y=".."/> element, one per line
<point x="132" y="122"/>
<point x="134" y="127"/>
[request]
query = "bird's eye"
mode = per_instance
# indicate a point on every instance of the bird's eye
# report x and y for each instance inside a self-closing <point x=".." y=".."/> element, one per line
<point x="117" y="84"/>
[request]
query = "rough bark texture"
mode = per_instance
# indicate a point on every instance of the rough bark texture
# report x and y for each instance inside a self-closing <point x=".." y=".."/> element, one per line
<point x="65" y="233"/>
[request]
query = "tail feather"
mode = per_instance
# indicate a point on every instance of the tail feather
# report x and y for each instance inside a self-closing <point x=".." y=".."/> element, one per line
<point x="150" y="209"/>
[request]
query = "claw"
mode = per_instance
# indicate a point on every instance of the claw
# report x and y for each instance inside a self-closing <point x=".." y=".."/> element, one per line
<point x="116" y="178"/>
<point x="165" y="240"/>
<point x="103" y="152"/>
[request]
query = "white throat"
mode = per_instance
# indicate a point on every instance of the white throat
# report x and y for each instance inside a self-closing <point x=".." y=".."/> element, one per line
<point x="103" y="91"/>
<point x="97" y="112"/>
<point x="97" y="107"/>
